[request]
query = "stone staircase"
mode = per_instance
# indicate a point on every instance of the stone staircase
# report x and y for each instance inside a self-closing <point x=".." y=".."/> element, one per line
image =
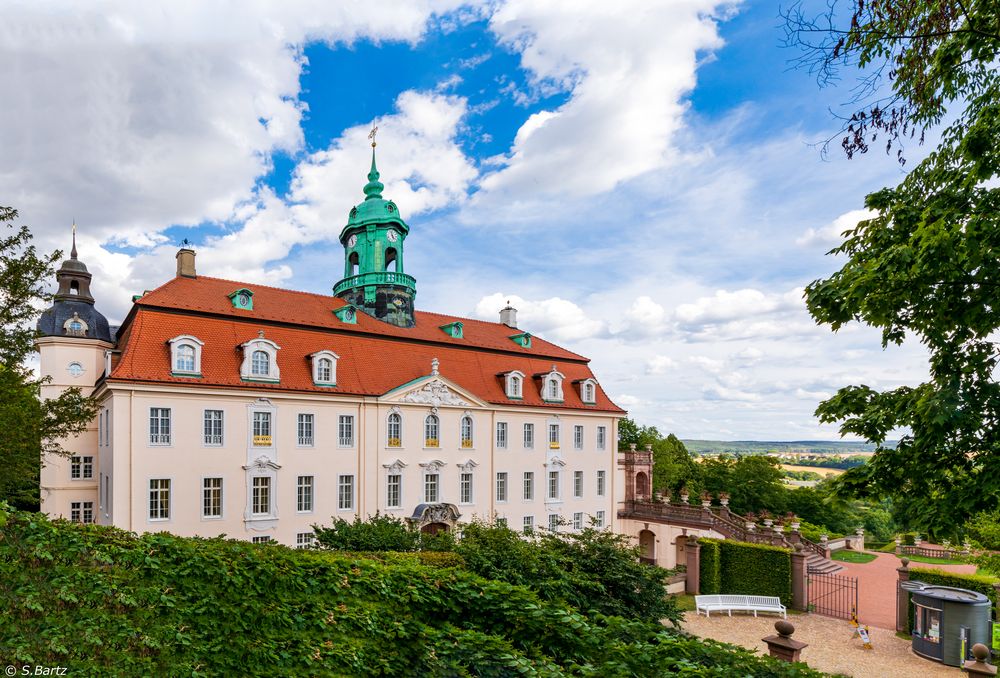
<point x="816" y="564"/>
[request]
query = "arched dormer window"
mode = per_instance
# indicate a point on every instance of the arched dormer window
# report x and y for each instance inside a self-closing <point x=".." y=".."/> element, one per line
<point x="467" y="440"/>
<point x="185" y="356"/>
<point x="432" y="430"/>
<point x="394" y="430"/>
<point x="515" y="385"/>
<point x="324" y="368"/>
<point x="588" y="391"/>
<point x="260" y="360"/>
<point x="552" y="386"/>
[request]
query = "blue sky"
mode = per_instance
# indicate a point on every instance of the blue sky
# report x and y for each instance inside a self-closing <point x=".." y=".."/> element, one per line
<point x="641" y="179"/>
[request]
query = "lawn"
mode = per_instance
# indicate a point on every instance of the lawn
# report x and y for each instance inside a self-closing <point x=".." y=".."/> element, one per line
<point x="935" y="561"/>
<point x="846" y="556"/>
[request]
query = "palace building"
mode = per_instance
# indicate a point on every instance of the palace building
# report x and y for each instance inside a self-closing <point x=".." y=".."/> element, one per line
<point x="234" y="408"/>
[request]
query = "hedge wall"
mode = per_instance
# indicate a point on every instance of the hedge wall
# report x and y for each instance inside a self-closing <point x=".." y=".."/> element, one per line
<point x="710" y="578"/>
<point x="973" y="582"/>
<point x="750" y="569"/>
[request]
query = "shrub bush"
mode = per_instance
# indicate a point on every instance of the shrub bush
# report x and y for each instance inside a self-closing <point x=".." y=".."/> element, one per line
<point x="104" y="602"/>
<point x="710" y="577"/>
<point x="755" y="570"/>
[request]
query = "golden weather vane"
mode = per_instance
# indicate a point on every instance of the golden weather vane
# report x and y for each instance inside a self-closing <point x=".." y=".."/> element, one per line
<point x="371" y="135"/>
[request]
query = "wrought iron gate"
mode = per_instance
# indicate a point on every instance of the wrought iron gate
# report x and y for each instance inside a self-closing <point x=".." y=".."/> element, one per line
<point x="832" y="595"/>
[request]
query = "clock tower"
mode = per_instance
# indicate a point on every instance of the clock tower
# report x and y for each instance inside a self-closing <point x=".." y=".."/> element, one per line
<point x="374" y="280"/>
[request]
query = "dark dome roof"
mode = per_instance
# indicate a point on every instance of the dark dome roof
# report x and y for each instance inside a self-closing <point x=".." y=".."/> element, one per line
<point x="52" y="321"/>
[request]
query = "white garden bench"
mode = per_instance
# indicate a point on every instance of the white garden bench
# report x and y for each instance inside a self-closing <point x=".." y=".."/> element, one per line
<point x="729" y="603"/>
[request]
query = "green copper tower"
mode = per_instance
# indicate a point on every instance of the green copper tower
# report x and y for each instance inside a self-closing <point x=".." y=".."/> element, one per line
<point x="374" y="280"/>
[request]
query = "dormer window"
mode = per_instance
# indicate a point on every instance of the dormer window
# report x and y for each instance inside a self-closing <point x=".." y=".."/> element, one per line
<point x="75" y="326"/>
<point x="552" y="386"/>
<point x="514" y="386"/>
<point x="185" y="356"/>
<point x="260" y="360"/>
<point x="347" y="314"/>
<point x="242" y="299"/>
<point x="324" y="368"/>
<point x="588" y="391"/>
<point x="523" y="339"/>
<point x="453" y="330"/>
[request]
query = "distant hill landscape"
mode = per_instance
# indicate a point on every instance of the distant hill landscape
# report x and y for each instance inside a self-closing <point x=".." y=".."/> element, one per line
<point x="781" y="446"/>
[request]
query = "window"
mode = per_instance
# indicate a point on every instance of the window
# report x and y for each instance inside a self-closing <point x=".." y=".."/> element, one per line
<point x="185" y="358"/>
<point x="345" y="430"/>
<point x="553" y="485"/>
<point x="159" y="425"/>
<point x="465" y="489"/>
<point x="260" y="364"/>
<point x="578" y="484"/>
<point x="394" y="431"/>
<point x="304" y="494"/>
<point x="601" y="482"/>
<point x="261" y="495"/>
<point x="262" y="429"/>
<point x="515" y="385"/>
<point x="393" y="483"/>
<point x="305" y="540"/>
<point x="600" y="518"/>
<point x="554" y="522"/>
<point x="502" y="486"/>
<point x="529" y="436"/>
<point x="159" y="499"/>
<point x="185" y="355"/>
<point x="81" y="511"/>
<point x="554" y="436"/>
<point x="466" y="431"/>
<point x="81" y="468"/>
<point x="602" y="437"/>
<point x="529" y="485"/>
<point x="75" y="369"/>
<point x="528" y="525"/>
<point x="213" y="427"/>
<point x="306" y="430"/>
<point x="431" y="487"/>
<point x="501" y="522"/>
<point x="324" y="368"/>
<point x="345" y="493"/>
<point x="432" y="426"/>
<point x="552" y="393"/>
<point x="261" y="540"/>
<point x="578" y="521"/>
<point x="552" y="390"/>
<point x="588" y="392"/>
<point x="578" y="437"/>
<point x="211" y="498"/>
<point x="502" y="434"/>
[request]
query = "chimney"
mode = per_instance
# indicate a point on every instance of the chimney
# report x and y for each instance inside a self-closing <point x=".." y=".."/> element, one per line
<point x="185" y="263"/>
<point x="508" y="316"/>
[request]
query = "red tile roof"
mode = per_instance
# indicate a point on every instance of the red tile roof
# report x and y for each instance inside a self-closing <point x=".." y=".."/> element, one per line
<point x="375" y="357"/>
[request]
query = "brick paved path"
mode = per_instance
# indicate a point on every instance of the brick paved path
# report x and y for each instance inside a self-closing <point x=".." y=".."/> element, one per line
<point x="877" y="587"/>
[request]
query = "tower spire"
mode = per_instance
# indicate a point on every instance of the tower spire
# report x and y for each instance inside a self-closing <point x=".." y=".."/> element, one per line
<point x="373" y="189"/>
<point x="72" y="252"/>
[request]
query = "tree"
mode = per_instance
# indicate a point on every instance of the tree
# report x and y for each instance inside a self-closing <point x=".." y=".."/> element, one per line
<point x="32" y="428"/>
<point x="673" y="467"/>
<point x="754" y="482"/>
<point x="927" y="265"/>
<point x="630" y="433"/>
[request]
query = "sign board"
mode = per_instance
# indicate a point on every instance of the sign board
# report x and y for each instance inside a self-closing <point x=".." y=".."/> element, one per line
<point x="865" y="638"/>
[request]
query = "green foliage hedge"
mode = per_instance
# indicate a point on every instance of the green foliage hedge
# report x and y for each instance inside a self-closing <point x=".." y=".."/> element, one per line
<point x="973" y="582"/>
<point x="749" y="569"/>
<point x="104" y="602"/>
<point x="710" y="576"/>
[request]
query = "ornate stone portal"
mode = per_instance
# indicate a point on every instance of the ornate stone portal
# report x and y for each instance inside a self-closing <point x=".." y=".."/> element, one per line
<point x="425" y="515"/>
<point x="434" y="393"/>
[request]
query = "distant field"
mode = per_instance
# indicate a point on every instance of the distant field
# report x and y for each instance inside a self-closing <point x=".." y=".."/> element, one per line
<point x="780" y="446"/>
<point x="816" y="469"/>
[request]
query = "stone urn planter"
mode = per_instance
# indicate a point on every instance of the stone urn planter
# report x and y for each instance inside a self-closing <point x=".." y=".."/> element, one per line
<point x="706" y="499"/>
<point x="684" y="495"/>
<point x="823" y="539"/>
<point x="724" y="498"/>
<point x="917" y="540"/>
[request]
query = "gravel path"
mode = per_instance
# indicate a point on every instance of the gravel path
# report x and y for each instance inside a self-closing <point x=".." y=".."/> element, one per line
<point x="831" y="648"/>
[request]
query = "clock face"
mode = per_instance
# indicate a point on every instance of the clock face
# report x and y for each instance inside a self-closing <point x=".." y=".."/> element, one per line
<point x="392" y="236"/>
<point x="244" y="299"/>
<point x="352" y="241"/>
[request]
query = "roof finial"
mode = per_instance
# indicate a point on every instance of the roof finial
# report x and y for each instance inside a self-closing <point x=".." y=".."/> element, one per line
<point x="72" y="252"/>
<point x="373" y="189"/>
<point x="435" y="364"/>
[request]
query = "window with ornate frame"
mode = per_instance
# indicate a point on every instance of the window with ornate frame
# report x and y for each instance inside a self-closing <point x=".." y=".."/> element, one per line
<point x="467" y="440"/>
<point x="432" y="430"/>
<point x="552" y="386"/>
<point x="394" y="430"/>
<point x="515" y="385"/>
<point x="260" y="360"/>
<point x="324" y="368"/>
<point x="185" y="355"/>
<point x="588" y="391"/>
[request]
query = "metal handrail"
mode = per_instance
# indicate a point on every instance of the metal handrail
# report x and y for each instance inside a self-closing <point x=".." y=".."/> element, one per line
<point x="375" y="278"/>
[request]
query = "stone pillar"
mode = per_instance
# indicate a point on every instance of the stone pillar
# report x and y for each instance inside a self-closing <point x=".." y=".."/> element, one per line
<point x="782" y="646"/>
<point x="800" y="598"/>
<point x="692" y="550"/>
<point x="902" y="598"/>
<point x="978" y="666"/>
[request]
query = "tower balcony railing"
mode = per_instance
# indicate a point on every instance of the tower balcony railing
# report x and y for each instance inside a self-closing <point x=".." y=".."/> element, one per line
<point x="375" y="278"/>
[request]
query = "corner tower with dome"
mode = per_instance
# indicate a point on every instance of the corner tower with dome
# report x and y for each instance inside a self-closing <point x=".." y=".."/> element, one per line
<point x="229" y="407"/>
<point x="374" y="280"/>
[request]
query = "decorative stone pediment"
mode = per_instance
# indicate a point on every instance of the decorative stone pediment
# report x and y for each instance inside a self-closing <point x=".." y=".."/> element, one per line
<point x="435" y="393"/>
<point x="262" y="463"/>
<point x="467" y="465"/>
<point x="432" y="466"/>
<point x="425" y="514"/>
<point x="395" y="467"/>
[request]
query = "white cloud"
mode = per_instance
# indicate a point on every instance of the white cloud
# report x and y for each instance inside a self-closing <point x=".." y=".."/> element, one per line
<point x="554" y="318"/>
<point x="625" y="103"/>
<point x="833" y="233"/>
<point x="660" y="364"/>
